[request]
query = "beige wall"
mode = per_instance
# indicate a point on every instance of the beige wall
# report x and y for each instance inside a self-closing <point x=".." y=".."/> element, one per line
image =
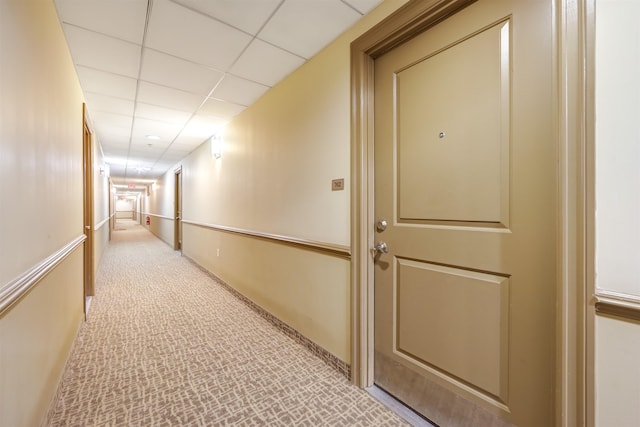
<point x="617" y="372"/>
<point x="41" y="198"/>
<point x="617" y="234"/>
<point x="279" y="157"/>
<point x="101" y="205"/>
<point x="617" y="95"/>
<point x="35" y="339"/>
<point x="160" y="202"/>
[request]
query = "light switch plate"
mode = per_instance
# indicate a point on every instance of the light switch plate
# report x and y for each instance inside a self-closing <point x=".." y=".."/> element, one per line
<point x="337" y="184"/>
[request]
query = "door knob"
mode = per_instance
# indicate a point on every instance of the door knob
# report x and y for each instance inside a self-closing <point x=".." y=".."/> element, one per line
<point x="381" y="225"/>
<point x="380" y="248"/>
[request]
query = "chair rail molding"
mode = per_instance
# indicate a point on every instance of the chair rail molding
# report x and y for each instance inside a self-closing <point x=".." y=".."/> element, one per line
<point x="13" y="291"/>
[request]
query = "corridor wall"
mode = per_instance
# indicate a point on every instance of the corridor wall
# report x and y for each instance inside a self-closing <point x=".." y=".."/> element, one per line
<point x="101" y="212"/>
<point x="41" y="215"/>
<point x="271" y="187"/>
<point x="160" y="207"/>
<point x="617" y="224"/>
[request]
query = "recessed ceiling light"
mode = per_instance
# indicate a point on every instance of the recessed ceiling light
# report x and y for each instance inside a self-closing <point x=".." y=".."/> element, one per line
<point x="153" y="137"/>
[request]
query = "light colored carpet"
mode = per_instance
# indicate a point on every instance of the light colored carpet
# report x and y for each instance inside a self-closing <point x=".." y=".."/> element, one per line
<point x="165" y="345"/>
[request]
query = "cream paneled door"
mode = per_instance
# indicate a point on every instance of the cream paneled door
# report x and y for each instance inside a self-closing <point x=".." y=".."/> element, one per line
<point x="465" y="179"/>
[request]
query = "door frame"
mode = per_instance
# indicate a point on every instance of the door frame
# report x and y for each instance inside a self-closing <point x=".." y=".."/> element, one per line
<point x="571" y="100"/>
<point x="177" y="209"/>
<point x="87" y="182"/>
<point x="110" y="202"/>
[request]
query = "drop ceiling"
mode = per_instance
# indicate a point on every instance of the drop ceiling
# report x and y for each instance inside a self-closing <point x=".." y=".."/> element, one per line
<point x="178" y="70"/>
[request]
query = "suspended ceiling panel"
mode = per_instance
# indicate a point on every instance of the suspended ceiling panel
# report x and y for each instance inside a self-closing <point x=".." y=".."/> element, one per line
<point x="178" y="70"/>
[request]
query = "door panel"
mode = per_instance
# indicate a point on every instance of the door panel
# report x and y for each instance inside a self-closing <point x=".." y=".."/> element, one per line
<point x="473" y="309"/>
<point x="452" y="132"/>
<point x="465" y="178"/>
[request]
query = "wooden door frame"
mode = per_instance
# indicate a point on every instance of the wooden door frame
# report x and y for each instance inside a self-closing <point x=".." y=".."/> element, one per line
<point x="177" y="244"/>
<point x="110" y="204"/>
<point x="87" y="181"/>
<point x="571" y="88"/>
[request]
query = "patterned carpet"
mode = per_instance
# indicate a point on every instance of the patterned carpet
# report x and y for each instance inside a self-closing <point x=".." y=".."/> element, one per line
<point x="165" y="345"/>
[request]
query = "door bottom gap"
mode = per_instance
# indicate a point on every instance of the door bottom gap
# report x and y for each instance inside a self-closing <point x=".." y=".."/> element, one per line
<point x="399" y="408"/>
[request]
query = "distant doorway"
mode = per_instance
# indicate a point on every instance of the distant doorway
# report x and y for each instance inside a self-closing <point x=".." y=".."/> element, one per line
<point x="87" y="181"/>
<point x="177" y="242"/>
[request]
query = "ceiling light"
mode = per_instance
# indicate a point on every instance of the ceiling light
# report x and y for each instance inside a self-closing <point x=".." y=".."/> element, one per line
<point x="141" y="169"/>
<point x="153" y="137"/>
<point x="216" y="146"/>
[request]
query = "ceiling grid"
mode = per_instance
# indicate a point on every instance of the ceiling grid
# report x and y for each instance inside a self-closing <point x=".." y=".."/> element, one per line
<point x="179" y="70"/>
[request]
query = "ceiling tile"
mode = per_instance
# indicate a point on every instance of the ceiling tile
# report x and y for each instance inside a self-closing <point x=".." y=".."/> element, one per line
<point x="247" y="15"/>
<point x="239" y="91"/>
<point x="162" y="165"/>
<point x="182" y="32"/>
<point x="185" y="141"/>
<point x="102" y="52"/>
<point x="149" y="153"/>
<point x="165" y="130"/>
<point x="115" y="169"/>
<point x="177" y="73"/>
<point x="108" y="104"/>
<point x="315" y="23"/>
<point x="106" y="83"/>
<point x="123" y="19"/>
<point x="153" y="112"/>
<point x="192" y="47"/>
<point x="115" y="160"/>
<point x="203" y="126"/>
<point x="112" y="140"/>
<point x="139" y="168"/>
<point x="265" y="63"/>
<point x="363" y="6"/>
<point x="163" y="96"/>
<point x="215" y="107"/>
<point x="110" y="120"/>
<point x="144" y="142"/>
<point x="136" y="161"/>
<point x="111" y="147"/>
<point x="175" y="153"/>
<point x="139" y="171"/>
<point x="107" y="131"/>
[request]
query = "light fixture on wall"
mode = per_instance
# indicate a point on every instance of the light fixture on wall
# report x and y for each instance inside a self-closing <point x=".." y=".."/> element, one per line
<point x="216" y="145"/>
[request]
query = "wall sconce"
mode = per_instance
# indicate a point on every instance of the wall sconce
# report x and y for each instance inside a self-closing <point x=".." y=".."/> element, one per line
<point x="216" y="146"/>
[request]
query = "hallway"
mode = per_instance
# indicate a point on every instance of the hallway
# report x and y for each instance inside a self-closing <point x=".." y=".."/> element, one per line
<point x="165" y="344"/>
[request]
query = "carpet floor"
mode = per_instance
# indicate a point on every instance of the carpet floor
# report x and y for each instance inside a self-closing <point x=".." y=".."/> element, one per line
<point x="166" y="345"/>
